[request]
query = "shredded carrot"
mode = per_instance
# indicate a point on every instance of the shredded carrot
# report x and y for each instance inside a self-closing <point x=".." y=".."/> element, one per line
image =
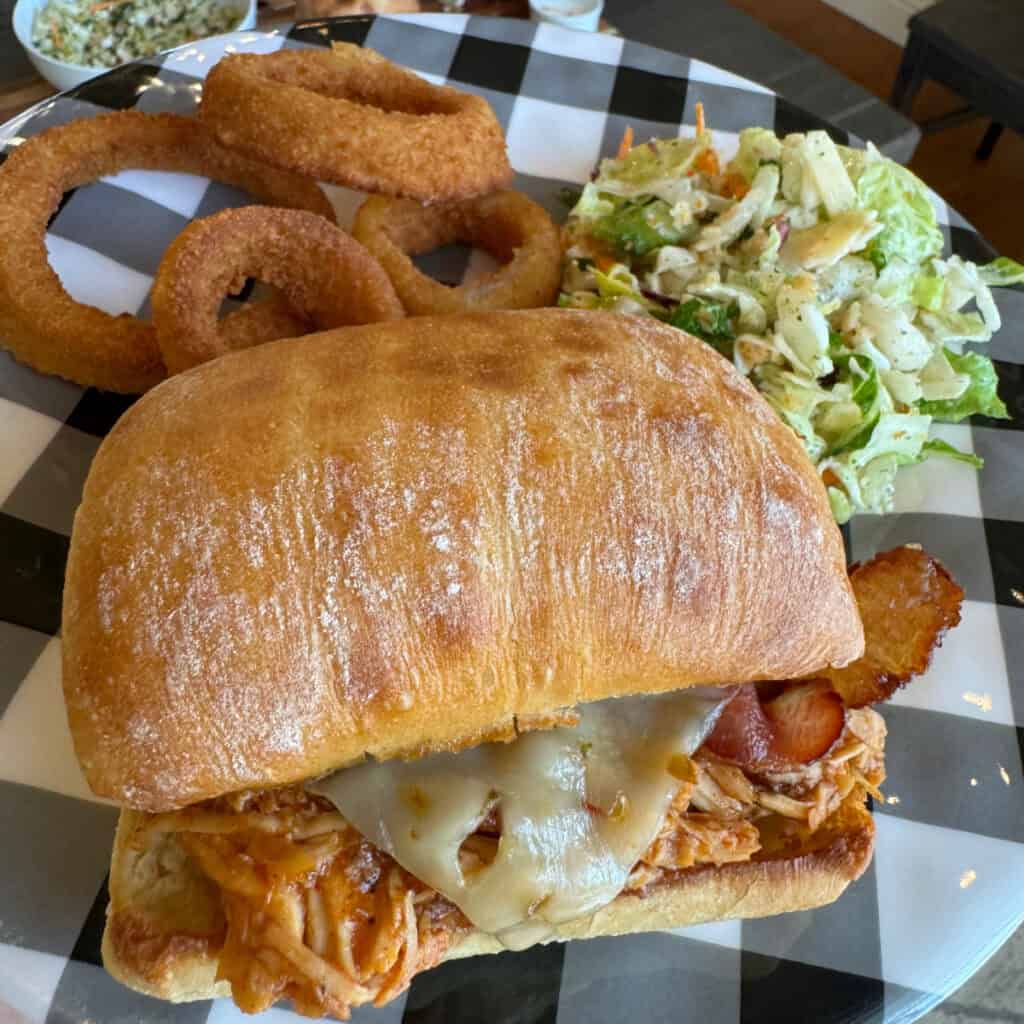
<point x="735" y="185"/>
<point x="707" y="162"/>
<point x="96" y="8"/>
<point x="701" y="126"/>
<point x="627" y="142"/>
<point x="604" y="263"/>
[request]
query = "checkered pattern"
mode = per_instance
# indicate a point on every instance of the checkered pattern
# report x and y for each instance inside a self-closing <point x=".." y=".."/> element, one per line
<point x="900" y="939"/>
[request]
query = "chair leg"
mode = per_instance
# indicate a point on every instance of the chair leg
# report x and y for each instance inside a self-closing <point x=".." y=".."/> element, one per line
<point x="989" y="140"/>
<point x="909" y="77"/>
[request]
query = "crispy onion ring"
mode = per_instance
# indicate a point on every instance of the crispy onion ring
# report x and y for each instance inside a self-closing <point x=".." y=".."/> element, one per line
<point x="263" y="320"/>
<point x="351" y="117"/>
<point x="326" y="276"/>
<point x="40" y="323"/>
<point x="508" y="225"/>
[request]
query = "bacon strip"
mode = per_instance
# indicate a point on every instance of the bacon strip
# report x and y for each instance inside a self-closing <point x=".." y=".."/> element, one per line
<point x="907" y="602"/>
<point x="797" y="727"/>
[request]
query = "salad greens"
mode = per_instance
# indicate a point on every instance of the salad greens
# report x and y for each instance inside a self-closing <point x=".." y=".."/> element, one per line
<point x="818" y="271"/>
<point x="110" y="32"/>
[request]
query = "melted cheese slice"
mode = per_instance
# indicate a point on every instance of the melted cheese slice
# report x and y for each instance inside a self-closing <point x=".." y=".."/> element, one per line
<point x="578" y="807"/>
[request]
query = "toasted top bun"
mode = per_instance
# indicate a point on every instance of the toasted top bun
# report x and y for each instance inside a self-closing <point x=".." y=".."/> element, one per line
<point x="410" y="535"/>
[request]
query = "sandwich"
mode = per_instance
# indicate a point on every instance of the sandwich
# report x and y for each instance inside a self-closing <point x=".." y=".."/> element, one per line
<point x="447" y="636"/>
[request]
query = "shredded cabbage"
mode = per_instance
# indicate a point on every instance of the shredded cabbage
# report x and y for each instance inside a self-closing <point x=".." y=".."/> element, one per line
<point x="1002" y="272"/>
<point x="817" y="270"/>
<point x="904" y="207"/>
<point x="979" y="397"/>
<point x="757" y="146"/>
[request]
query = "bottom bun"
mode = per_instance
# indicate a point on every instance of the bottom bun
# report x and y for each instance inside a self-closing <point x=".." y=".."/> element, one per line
<point x="165" y="924"/>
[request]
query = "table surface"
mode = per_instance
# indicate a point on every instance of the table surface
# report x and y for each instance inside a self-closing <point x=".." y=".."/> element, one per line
<point x="731" y="39"/>
<point x="710" y="30"/>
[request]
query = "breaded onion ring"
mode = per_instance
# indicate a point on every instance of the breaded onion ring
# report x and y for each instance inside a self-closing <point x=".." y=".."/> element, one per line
<point x="508" y="225"/>
<point x="263" y="320"/>
<point x="351" y="117"/>
<point x="327" y="277"/>
<point x="40" y="323"/>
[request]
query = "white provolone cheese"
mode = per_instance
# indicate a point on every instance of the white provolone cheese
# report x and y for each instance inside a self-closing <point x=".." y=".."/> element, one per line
<point x="558" y="858"/>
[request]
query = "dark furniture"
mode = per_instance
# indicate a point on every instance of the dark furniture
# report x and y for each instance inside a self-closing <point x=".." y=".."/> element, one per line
<point x="708" y="29"/>
<point x="975" y="48"/>
<point x="713" y="31"/>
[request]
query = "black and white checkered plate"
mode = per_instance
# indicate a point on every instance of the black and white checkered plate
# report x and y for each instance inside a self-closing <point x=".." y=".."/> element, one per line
<point x="945" y="887"/>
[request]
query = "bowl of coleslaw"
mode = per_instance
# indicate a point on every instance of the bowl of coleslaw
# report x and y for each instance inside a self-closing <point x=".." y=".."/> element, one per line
<point x="71" y="41"/>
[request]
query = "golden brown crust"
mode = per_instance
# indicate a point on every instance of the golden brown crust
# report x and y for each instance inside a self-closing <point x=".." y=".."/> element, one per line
<point x="40" y="322"/>
<point x="353" y="118"/>
<point x="140" y="950"/>
<point x="510" y="226"/>
<point x="164" y="922"/>
<point x="400" y="535"/>
<point x="907" y="602"/>
<point x="327" y="276"/>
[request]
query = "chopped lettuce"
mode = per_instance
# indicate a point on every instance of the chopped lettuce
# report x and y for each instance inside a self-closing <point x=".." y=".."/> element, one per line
<point x="661" y="168"/>
<point x="895" y="281"/>
<point x="1002" y="272"/>
<point x="855" y="160"/>
<point x="964" y="283"/>
<point x="592" y="204"/>
<point x="616" y="280"/>
<point x="757" y="146"/>
<point x="817" y="270"/>
<point x="927" y="290"/>
<point x="803" y="329"/>
<point x="868" y="473"/>
<point x="848" y="279"/>
<point x="936" y="446"/>
<point x="750" y="210"/>
<point x="674" y="267"/>
<point x="751" y="315"/>
<point x="866" y="397"/>
<point x="710" y="321"/>
<point x="943" y="327"/>
<point x="980" y="397"/>
<point x="903" y="205"/>
<point x="889" y="329"/>
<point x="896" y="434"/>
<point x="939" y="382"/>
<point x="840" y="504"/>
<point x="637" y="228"/>
<point x="796" y="400"/>
<point x="902" y="283"/>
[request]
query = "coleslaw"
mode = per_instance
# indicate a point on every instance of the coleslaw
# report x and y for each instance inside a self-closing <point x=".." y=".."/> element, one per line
<point x="818" y="271"/>
<point x="105" y="33"/>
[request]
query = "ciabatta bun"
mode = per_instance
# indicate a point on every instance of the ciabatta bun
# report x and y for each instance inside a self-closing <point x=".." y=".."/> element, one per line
<point x="403" y="536"/>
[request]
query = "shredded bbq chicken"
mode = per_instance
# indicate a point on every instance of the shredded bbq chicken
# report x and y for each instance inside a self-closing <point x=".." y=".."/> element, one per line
<point x="317" y="915"/>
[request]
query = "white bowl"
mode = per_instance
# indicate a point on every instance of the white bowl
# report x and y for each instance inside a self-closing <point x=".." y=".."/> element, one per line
<point x="582" y="15"/>
<point x="65" y="75"/>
